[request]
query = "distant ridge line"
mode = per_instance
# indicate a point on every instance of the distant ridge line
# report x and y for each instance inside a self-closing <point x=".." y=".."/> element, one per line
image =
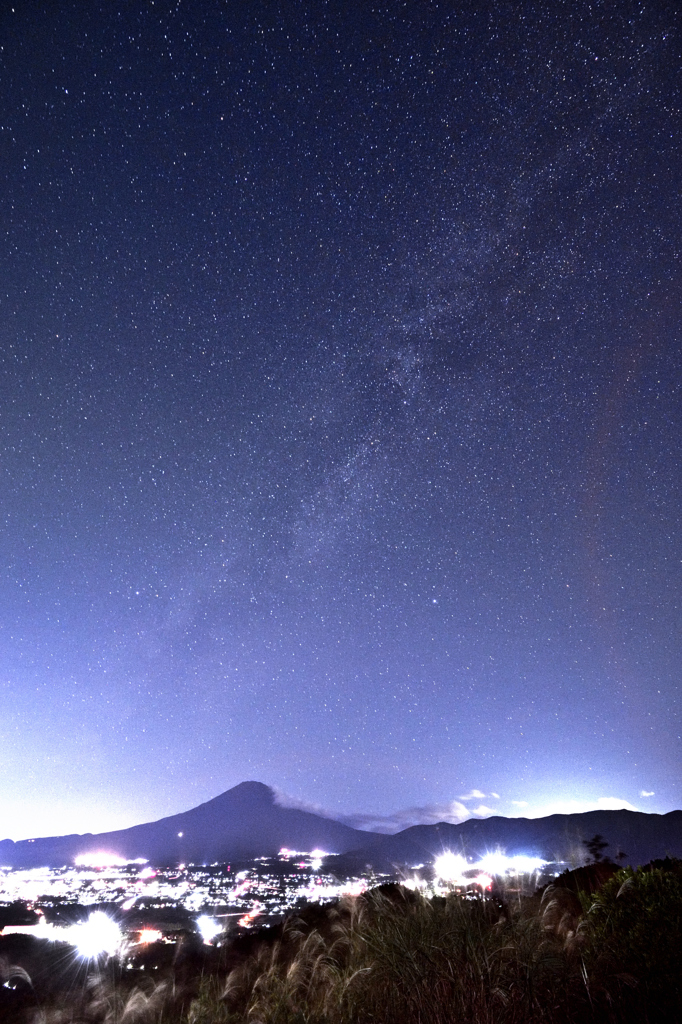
<point x="247" y="821"/>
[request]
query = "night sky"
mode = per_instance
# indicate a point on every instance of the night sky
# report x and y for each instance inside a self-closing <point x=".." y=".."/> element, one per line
<point x="340" y="408"/>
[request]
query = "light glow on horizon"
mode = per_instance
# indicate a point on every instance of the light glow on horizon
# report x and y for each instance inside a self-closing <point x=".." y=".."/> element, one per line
<point x="455" y="869"/>
<point x="450" y="867"/>
<point x="102" y="859"/>
<point x="568" y="805"/>
<point x="498" y="863"/>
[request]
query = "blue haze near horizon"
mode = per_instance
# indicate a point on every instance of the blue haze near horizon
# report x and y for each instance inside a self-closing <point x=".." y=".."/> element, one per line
<point x="340" y="410"/>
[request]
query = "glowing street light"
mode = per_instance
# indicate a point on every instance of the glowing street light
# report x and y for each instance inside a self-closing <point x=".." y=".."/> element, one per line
<point x="99" y="934"/>
<point x="208" y="928"/>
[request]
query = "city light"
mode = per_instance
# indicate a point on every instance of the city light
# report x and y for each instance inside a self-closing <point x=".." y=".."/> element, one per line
<point x="208" y="928"/>
<point x="450" y="867"/>
<point x="249" y="918"/>
<point x="148" y="935"/>
<point x="316" y="858"/>
<point x="98" y="935"/>
<point x="498" y="863"/>
<point x="456" y="870"/>
<point x="160" y="904"/>
<point x="104" y="860"/>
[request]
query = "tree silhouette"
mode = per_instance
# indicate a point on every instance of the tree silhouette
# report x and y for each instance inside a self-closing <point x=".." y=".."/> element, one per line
<point x="595" y="847"/>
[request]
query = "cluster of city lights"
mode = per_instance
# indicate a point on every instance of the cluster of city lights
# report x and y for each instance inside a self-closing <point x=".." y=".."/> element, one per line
<point x="105" y="860"/>
<point x="256" y="894"/>
<point x="315" y="857"/>
<point x="454" y="869"/>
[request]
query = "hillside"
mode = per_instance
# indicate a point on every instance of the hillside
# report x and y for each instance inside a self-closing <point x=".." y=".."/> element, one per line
<point x="247" y="822"/>
<point x="242" y="823"/>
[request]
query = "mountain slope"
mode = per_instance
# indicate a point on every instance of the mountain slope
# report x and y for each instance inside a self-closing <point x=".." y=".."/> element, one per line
<point x="246" y="822"/>
<point x="558" y="837"/>
<point x="242" y="823"/>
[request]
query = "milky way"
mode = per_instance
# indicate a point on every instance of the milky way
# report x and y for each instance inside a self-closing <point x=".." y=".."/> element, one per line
<point x="340" y="409"/>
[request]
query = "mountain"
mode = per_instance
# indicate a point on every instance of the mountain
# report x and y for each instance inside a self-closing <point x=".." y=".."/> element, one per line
<point x="246" y="822"/>
<point x="242" y="823"/>
<point x="558" y="837"/>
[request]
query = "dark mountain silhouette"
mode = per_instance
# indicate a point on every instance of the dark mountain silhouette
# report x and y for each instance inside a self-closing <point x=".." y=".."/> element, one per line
<point x="558" y="837"/>
<point x="242" y="823"/>
<point x="246" y="822"/>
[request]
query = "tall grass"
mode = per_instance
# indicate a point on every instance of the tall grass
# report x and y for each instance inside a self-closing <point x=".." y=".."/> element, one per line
<point x="395" y="957"/>
<point x="634" y="953"/>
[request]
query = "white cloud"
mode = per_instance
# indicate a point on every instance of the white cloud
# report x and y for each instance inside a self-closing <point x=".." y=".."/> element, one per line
<point x="575" y="806"/>
<point x="430" y="814"/>
<point x="613" y="803"/>
<point x="482" y="811"/>
<point x="456" y="811"/>
<point x="293" y="803"/>
<point x="644" y="792"/>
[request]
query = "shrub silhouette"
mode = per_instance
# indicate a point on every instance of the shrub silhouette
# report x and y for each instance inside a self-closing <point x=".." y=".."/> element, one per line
<point x="635" y="951"/>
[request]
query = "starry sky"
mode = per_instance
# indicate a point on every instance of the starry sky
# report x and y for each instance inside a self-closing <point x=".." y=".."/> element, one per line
<point x="340" y="408"/>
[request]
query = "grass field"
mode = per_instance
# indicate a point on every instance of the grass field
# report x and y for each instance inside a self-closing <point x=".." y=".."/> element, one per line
<point x="565" y="955"/>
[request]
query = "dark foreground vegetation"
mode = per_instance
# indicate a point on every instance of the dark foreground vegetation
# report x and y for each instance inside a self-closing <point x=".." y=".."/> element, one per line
<point x="600" y="945"/>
